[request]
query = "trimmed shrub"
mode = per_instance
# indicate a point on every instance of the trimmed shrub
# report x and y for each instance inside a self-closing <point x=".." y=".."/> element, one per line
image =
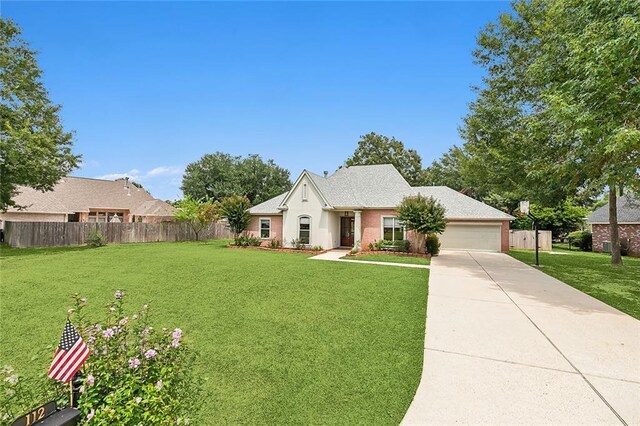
<point x="96" y="239"/>
<point x="581" y="239"/>
<point x="247" y="241"/>
<point x="432" y="244"/>
<point x="316" y="248"/>
<point x="297" y="244"/>
<point x="274" y="243"/>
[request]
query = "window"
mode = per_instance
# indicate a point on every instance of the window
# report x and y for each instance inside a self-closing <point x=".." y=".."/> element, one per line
<point x="305" y="195"/>
<point x="106" y="217"/>
<point x="304" y="229"/>
<point x="265" y="228"/>
<point x="391" y="229"/>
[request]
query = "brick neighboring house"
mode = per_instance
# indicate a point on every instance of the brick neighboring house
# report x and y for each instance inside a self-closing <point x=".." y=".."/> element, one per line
<point x="76" y="199"/>
<point x="357" y="205"/>
<point x="628" y="224"/>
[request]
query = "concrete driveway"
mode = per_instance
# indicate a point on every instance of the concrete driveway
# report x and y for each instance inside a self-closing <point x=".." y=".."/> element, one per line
<point x="507" y="344"/>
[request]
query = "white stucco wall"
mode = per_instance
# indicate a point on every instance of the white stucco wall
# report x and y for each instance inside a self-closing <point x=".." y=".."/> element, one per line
<point x="323" y="228"/>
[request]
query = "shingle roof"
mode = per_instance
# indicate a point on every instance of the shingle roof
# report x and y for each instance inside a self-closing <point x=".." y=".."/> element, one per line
<point x="382" y="186"/>
<point x="460" y="206"/>
<point x="270" y="206"/>
<point x="379" y="186"/>
<point x="628" y="211"/>
<point x="76" y="194"/>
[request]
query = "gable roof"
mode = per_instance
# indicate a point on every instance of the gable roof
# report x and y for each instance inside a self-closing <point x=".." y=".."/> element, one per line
<point x="270" y="206"/>
<point x="76" y="194"/>
<point x="383" y="187"/>
<point x="628" y="211"/>
<point x="460" y="206"/>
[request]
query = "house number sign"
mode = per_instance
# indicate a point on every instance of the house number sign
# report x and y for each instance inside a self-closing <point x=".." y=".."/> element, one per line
<point x="36" y="415"/>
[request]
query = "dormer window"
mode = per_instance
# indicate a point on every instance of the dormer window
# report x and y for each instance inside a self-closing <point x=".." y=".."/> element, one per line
<point x="305" y="194"/>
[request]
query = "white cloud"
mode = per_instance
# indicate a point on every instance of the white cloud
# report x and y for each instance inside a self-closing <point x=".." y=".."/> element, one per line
<point x="165" y="170"/>
<point x="162" y="181"/>
<point x="133" y="174"/>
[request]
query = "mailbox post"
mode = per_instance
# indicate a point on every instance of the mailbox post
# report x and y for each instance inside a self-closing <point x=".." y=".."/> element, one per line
<point x="524" y="208"/>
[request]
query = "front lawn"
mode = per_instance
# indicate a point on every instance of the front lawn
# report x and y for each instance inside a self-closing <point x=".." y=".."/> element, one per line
<point x="391" y="258"/>
<point x="593" y="274"/>
<point x="281" y="339"/>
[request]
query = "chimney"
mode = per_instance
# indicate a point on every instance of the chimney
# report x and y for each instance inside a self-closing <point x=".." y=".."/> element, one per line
<point x="126" y="183"/>
<point x="326" y="173"/>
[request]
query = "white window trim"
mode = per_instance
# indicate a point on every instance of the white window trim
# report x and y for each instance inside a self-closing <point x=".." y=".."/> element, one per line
<point x="308" y="217"/>
<point x="260" y="228"/>
<point x="404" y="230"/>
<point x="305" y="192"/>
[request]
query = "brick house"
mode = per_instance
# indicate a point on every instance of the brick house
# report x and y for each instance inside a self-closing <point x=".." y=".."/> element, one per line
<point x="628" y="224"/>
<point x="356" y="206"/>
<point x="76" y="199"/>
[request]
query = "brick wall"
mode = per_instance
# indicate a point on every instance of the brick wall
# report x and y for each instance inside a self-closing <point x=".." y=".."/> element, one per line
<point x="601" y="233"/>
<point x="276" y="227"/>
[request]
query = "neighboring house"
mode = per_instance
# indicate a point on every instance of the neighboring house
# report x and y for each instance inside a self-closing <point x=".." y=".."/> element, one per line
<point x="628" y="224"/>
<point x="76" y="199"/>
<point x="358" y="205"/>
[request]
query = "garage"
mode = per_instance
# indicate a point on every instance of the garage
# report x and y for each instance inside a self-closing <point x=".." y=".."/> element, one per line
<point x="471" y="236"/>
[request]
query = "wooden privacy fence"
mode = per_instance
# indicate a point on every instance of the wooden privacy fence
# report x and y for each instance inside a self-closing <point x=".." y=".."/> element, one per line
<point x="527" y="240"/>
<point x="50" y="234"/>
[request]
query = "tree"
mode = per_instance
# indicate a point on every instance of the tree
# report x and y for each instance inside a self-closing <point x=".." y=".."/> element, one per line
<point x="423" y="215"/>
<point x="197" y="213"/>
<point x="560" y="220"/>
<point x="219" y="175"/>
<point x="35" y="150"/>
<point x="449" y="171"/>
<point x="379" y="149"/>
<point x="235" y="209"/>
<point x="559" y="113"/>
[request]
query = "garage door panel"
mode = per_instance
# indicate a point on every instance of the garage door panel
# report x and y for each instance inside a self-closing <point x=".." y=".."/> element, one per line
<point x="471" y="237"/>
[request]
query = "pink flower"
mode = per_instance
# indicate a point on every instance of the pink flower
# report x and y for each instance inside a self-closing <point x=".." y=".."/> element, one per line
<point x="108" y="333"/>
<point x="90" y="379"/>
<point x="150" y="353"/>
<point x="175" y="343"/>
<point x="134" y="362"/>
<point x="119" y="294"/>
<point x="159" y="385"/>
<point x="91" y="414"/>
<point x="123" y="321"/>
<point x="177" y="334"/>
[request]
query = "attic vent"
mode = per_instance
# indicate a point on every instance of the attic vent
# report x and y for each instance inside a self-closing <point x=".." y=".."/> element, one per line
<point x="304" y="192"/>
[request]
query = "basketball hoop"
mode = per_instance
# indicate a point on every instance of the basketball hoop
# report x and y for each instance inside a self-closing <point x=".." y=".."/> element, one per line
<point x="524" y="207"/>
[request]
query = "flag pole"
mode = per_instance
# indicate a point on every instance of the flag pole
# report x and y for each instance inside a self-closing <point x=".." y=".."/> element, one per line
<point x="71" y="392"/>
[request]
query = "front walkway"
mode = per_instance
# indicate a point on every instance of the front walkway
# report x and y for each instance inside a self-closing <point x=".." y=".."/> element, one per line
<point x="335" y="255"/>
<point x="507" y="344"/>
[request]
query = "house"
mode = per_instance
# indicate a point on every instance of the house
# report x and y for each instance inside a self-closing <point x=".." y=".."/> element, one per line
<point x="357" y="205"/>
<point x="77" y="199"/>
<point x="628" y="224"/>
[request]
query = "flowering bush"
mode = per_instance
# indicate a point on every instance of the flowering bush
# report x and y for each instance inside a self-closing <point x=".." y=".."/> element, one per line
<point x="135" y="374"/>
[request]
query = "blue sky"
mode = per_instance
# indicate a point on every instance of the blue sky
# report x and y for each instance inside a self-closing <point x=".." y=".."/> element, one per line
<point x="149" y="87"/>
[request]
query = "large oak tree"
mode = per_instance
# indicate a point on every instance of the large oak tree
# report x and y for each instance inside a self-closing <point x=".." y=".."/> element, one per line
<point x="219" y="175"/>
<point x="35" y="150"/>
<point x="379" y="149"/>
<point x="558" y="114"/>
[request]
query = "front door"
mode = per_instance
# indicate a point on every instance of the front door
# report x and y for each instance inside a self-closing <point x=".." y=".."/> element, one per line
<point x="346" y="231"/>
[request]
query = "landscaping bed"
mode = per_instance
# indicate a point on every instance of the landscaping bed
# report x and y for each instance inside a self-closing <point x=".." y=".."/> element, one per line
<point x="391" y="257"/>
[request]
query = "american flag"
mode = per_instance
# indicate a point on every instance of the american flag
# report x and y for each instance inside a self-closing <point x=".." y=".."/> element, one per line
<point x="70" y="354"/>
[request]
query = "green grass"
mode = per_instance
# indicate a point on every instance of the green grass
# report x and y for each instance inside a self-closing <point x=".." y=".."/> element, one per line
<point x="281" y="339"/>
<point x="593" y="274"/>
<point x="391" y="259"/>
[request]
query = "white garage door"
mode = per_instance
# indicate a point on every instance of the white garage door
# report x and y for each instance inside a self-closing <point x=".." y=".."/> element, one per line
<point x="471" y="237"/>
